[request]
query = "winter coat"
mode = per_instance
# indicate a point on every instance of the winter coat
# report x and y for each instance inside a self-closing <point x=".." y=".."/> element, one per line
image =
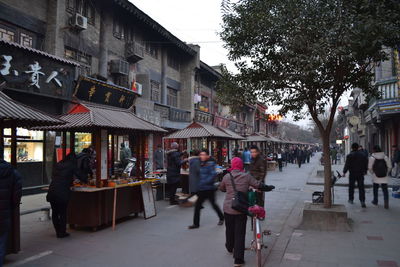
<point x="84" y="165"/>
<point x="159" y="159"/>
<point x="375" y="179"/>
<point x="125" y="154"/>
<point x="207" y="175"/>
<point x="194" y="174"/>
<point x="258" y="168"/>
<point x="174" y="164"/>
<point x="63" y="176"/>
<point x="356" y="164"/>
<point x="246" y="157"/>
<point x="10" y="192"/>
<point x="242" y="182"/>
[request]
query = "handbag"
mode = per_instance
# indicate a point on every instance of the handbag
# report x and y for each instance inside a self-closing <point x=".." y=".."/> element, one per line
<point x="240" y="202"/>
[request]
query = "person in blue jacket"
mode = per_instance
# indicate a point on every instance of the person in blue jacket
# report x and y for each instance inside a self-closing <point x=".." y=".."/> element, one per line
<point x="206" y="188"/>
<point x="246" y="159"/>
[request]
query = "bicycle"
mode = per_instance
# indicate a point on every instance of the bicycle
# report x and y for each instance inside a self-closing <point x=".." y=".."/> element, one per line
<point x="257" y="244"/>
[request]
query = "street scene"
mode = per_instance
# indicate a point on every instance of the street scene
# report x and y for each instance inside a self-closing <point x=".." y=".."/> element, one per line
<point x="199" y="133"/>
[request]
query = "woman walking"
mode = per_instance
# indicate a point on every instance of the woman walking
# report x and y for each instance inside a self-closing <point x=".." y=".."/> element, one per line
<point x="235" y="221"/>
<point x="379" y="166"/>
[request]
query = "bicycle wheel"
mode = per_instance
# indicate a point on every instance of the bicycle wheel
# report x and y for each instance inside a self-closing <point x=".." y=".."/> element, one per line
<point x="258" y="241"/>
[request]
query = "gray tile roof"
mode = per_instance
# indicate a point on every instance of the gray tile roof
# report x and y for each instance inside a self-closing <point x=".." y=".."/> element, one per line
<point x="198" y="130"/>
<point x="102" y="116"/>
<point x="22" y="115"/>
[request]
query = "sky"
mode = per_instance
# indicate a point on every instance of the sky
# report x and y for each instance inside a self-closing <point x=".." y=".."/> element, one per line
<point x="198" y="22"/>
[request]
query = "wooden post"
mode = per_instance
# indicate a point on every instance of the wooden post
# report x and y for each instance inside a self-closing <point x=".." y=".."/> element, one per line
<point x="14" y="146"/>
<point x="72" y="142"/>
<point x="112" y="152"/>
<point x="1" y="140"/>
<point x="137" y="152"/>
<point x="64" y="144"/>
<point x="114" y="208"/>
<point x="97" y="147"/>
<point x="143" y="152"/>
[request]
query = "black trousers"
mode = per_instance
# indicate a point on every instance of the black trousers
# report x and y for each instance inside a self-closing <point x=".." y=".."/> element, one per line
<point x="280" y="164"/>
<point x="385" y="192"/>
<point x="236" y="234"/>
<point x="360" y="184"/>
<point x="203" y="195"/>
<point x="299" y="161"/>
<point x="172" y="191"/>
<point x="59" y="216"/>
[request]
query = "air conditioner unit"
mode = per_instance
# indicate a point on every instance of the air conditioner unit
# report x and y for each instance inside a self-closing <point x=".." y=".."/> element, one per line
<point x="139" y="88"/>
<point x="79" y="22"/>
<point x="119" y="66"/>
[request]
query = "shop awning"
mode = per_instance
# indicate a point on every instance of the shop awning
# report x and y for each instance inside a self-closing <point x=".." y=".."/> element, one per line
<point x="274" y="139"/>
<point x="199" y="130"/>
<point x="233" y="134"/>
<point x="257" y="138"/>
<point x="20" y="115"/>
<point x="84" y="116"/>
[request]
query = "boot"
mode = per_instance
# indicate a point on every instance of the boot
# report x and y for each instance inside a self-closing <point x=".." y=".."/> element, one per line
<point x="386" y="205"/>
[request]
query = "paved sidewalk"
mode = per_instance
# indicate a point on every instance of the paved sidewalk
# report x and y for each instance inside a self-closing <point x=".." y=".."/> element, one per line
<point x="165" y="240"/>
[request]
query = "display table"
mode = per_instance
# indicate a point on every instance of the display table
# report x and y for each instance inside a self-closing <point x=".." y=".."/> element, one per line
<point x="93" y="207"/>
<point x="271" y="165"/>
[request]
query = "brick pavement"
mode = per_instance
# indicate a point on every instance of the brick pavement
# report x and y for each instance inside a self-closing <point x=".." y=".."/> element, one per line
<point x="165" y="240"/>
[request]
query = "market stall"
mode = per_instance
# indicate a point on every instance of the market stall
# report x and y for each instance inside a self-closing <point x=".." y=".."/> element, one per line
<point x="110" y="195"/>
<point x="204" y="136"/>
<point x="12" y="116"/>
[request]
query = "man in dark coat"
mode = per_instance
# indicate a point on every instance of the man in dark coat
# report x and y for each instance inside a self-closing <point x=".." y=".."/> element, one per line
<point x="174" y="163"/>
<point x="84" y="163"/>
<point x="258" y="169"/>
<point x="357" y="165"/>
<point x="60" y="190"/>
<point x="10" y="196"/>
<point x="299" y="156"/>
<point x="194" y="172"/>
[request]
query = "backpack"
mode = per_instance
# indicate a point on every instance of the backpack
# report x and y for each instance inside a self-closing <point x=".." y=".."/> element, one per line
<point x="380" y="168"/>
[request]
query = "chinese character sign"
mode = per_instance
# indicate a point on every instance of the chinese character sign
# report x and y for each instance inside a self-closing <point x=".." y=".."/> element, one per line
<point x="275" y="117"/>
<point x="34" y="72"/>
<point x="89" y="89"/>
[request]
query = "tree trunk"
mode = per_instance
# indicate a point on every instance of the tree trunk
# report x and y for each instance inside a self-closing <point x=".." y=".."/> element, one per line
<point x="327" y="170"/>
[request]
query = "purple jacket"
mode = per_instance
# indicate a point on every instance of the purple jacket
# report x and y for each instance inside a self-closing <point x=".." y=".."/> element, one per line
<point x="242" y="181"/>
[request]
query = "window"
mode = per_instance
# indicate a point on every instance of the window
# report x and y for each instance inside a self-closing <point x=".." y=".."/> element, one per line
<point x="12" y="33"/>
<point x="173" y="62"/>
<point x="155" y="91"/>
<point x="7" y="34"/>
<point x="204" y="104"/>
<point x="29" y="145"/>
<point x="152" y="50"/>
<point x="83" y="7"/>
<point x="83" y="58"/>
<point x="172" y="97"/>
<point x="118" y="30"/>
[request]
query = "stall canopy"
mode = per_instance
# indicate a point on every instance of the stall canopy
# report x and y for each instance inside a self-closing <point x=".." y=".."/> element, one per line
<point x="199" y="130"/>
<point x="233" y="134"/>
<point x="84" y="116"/>
<point x="13" y="113"/>
<point x="257" y="138"/>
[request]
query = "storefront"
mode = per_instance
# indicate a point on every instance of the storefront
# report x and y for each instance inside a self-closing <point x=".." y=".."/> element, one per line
<point x="43" y="82"/>
<point x="12" y="116"/>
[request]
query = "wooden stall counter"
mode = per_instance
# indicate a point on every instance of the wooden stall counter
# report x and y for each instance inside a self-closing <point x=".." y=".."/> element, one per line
<point x="94" y="207"/>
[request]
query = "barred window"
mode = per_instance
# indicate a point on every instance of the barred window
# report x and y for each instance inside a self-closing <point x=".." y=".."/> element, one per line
<point x="155" y="91"/>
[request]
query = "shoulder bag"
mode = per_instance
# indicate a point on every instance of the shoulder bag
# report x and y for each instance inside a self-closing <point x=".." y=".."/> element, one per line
<point x="239" y="200"/>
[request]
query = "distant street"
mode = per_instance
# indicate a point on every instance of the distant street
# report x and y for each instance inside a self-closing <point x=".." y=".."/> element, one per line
<point x="166" y="241"/>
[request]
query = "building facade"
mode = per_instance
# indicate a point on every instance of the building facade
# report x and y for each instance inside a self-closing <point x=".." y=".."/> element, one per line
<point x="377" y="121"/>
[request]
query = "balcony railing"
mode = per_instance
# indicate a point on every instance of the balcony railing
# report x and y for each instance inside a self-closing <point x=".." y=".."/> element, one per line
<point x="172" y="114"/>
